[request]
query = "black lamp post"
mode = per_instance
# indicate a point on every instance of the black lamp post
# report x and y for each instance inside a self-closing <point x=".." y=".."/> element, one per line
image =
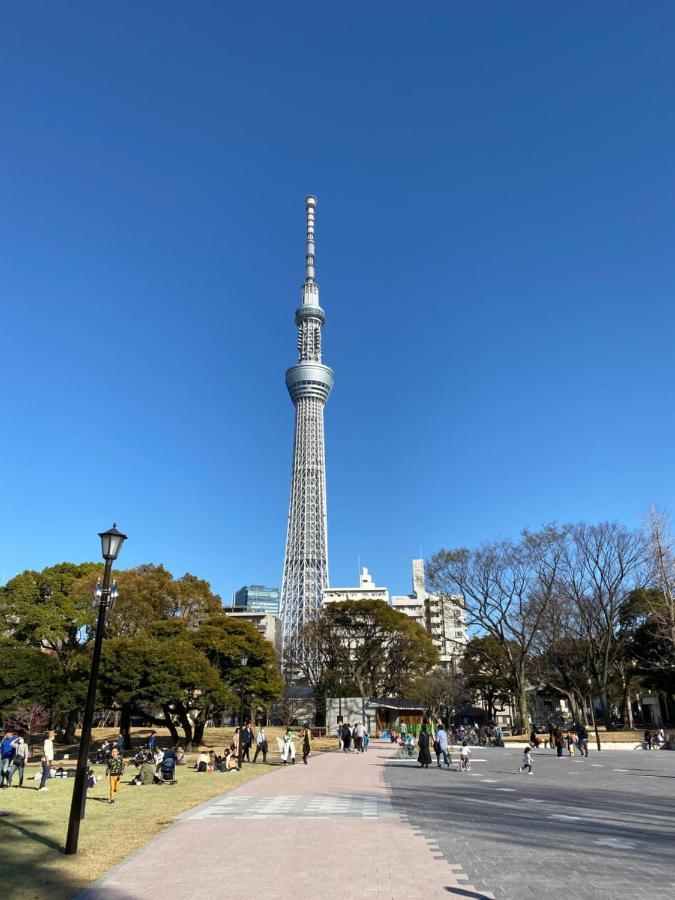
<point x="595" y="724"/>
<point x="240" y="749"/>
<point x="111" y="543"/>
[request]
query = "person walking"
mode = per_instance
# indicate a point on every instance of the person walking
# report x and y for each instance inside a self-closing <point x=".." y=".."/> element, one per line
<point x="235" y="740"/>
<point x="339" y="735"/>
<point x="346" y="737"/>
<point x="424" y="757"/>
<point x="358" y="737"/>
<point x="7" y="754"/>
<point x="114" y="771"/>
<point x="441" y="743"/>
<point x="247" y="741"/>
<point x="152" y="741"/>
<point x="526" y="764"/>
<point x="260" y="745"/>
<point x="288" y="747"/>
<point x="306" y="743"/>
<point x="582" y="734"/>
<point x="47" y="760"/>
<point x="648" y="739"/>
<point x="551" y="735"/>
<point x="366" y="741"/>
<point x="558" y="743"/>
<point x="19" y="762"/>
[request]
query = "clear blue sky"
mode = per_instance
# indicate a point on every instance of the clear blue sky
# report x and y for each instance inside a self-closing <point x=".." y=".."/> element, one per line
<point x="495" y="239"/>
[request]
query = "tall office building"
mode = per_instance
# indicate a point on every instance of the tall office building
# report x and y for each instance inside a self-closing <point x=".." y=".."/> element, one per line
<point x="309" y="383"/>
<point x="257" y="597"/>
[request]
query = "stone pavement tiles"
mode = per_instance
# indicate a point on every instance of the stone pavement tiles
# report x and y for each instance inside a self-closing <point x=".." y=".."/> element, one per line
<point x="326" y="830"/>
<point x="592" y="828"/>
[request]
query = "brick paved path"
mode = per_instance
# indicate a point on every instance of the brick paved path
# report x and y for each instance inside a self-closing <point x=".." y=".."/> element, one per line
<point x="326" y="830"/>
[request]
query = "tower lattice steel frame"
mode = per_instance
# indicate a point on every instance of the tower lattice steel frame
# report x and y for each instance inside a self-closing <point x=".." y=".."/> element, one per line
<point x="309" y="383"/>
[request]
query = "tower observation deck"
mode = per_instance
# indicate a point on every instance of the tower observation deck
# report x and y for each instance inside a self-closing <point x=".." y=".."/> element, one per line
<point x="309" y="383"/>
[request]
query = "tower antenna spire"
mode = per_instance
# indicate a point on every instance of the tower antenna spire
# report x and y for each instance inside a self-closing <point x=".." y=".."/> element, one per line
<point x="310" y="206"/>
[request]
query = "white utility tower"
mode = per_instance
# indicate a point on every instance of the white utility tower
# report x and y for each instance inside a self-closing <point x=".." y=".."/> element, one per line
<point x="309" y="383"/>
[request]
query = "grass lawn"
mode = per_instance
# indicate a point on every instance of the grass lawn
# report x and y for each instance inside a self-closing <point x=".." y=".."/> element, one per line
<point x="33" y="827"/>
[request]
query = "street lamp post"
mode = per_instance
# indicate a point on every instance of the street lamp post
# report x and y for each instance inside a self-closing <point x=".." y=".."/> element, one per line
<point x="111" y="544"/>
<point x="240" y="749"/>
<point x="595" y="724"/>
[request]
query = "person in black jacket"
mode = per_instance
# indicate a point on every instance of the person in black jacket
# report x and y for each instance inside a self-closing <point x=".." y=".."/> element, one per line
<point x="424" y="757"/>
<point x="582" y="734"/>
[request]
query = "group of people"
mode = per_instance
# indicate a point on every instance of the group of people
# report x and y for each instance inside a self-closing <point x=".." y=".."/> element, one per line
<point x="14" y="753"/>
<point x="436" y="736"/>
<point x="655" y="741"/>
<point x="574" y="739"/>
<point x="356" y="734"/>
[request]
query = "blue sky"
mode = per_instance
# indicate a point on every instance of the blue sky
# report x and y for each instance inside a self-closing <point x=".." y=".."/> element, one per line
<point x="495" y="239"/>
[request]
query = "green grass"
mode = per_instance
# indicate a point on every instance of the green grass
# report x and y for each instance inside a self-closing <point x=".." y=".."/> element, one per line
<point x="33" y="829"/>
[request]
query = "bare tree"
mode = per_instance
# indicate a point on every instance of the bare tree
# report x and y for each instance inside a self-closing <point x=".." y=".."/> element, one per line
<point x="662" y="558"/>
<point x="504" y="589"/>
<point x="603" y="564"/>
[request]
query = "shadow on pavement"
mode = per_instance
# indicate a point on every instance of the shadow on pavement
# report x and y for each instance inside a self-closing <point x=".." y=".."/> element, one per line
<point x="461" y="892"/>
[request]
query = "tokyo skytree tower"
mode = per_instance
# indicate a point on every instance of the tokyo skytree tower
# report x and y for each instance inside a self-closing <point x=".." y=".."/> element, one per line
<point x="309" y="383"/>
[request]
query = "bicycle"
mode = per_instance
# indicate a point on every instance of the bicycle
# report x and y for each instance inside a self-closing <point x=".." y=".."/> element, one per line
<point x="406" y="751"/>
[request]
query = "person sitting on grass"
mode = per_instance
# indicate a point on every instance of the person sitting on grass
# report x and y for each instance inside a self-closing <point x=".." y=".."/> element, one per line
<point x="145" y="774"/>
<point x="158" y="756"/>
<point x="231" y="760"/>
<point x="202" y="762"/>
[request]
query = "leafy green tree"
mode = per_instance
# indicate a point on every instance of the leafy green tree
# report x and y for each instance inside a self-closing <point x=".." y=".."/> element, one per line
<point x="49" y="611"/>
<point x="148" y="593"/>
<point x="366" y="647"/>
<point x="188" y="674"/>
<point x="27" y="677"/>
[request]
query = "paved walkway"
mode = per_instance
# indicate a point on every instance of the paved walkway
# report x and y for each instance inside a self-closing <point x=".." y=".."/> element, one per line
<point x="325" y="830"/>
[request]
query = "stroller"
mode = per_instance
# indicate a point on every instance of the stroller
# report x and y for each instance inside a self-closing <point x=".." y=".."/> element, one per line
<point x="143" y="756"/>
<point x="103" y="753"/>
<point x="168" y="767"/>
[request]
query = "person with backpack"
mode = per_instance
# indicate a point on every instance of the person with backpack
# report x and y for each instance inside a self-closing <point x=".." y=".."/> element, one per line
<point x="7" y="754"/>
<point x="441" y="746"/>
<point x="19" y="762"/>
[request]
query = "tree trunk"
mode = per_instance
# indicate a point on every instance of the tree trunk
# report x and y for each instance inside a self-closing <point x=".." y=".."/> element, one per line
<point x="604" y="702"/>
<point x="199" y="726"/>
<point x="628" y="718"/>
<point x="185" y="723"/>
<point x="125" y="725"/>
<point x="524" y="711"/>
<point x="169" y="724"/>
<point x="71" y="725"/>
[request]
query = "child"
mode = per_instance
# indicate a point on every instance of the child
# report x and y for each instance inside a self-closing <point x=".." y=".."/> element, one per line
<point x="527" y="761"/>
<point x="465" y="757"/>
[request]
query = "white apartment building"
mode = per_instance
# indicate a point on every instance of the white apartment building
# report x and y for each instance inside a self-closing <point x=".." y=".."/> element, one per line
<point x="442" y="618"/>
<point x="366" y="590"/>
